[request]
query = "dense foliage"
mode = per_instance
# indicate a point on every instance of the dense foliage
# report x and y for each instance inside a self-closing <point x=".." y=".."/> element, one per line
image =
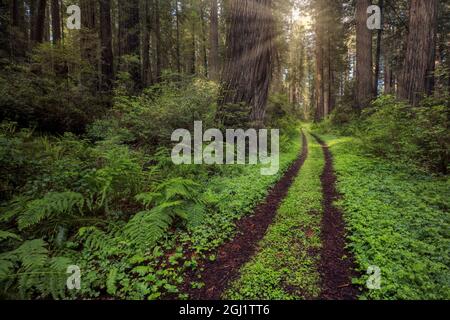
<point x="394" y="130"/>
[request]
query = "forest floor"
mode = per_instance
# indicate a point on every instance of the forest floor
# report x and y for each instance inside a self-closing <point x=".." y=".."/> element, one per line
<point x="250" y="230"/>
<point x="332" y="263"/>
<point x="336" y="272"/>
<point x="335" y="214"/>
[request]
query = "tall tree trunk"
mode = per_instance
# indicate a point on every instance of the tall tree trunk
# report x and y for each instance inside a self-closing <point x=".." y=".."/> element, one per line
<point x="107" y="58"/>
<point x="364" y="73"/>
<point x="89" y="42"/>
<point x="319" y="85"/>
<point x="204" y="40"/>
<point x="40" y="21"/>
<point x="19" y="30"/>
<point x="378" y="50"/>
<point x="178" y="53"/>
<point x="130" y="37"/>
<point x="248" y="70"/>
<point x="214" y="67"/>
<point x="147" y="28"/>
<point x="158" y="40"/>
<point x="56" y="22"/>
<point x="417" y="77"/>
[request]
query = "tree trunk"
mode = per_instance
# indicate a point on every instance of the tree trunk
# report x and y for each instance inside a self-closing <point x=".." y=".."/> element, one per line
<point x="56" y="22"/>
<point x="319" y="86"/>
<point x="19" y="30"/>
<point x="130" y="38"/>
<point x="40" y="21"/>
<point x="177" y="17"/>
<point x="158" y="40"/>
<point x="214" y="67"/>
<point x="417" y="77"/>
<point x="107" y="58"/>
<point x="248" y="70"/>
<point x="378" y="50"/>
<point x="89" y="42"/>
<point x="146" y="65"/>
<point x="364" y="73"/>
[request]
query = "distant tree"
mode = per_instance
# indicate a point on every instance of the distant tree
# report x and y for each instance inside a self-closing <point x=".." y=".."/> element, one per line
<point x="214" y="67"/>
<point x="107" y="59"/>
<point x="56" y="21"/>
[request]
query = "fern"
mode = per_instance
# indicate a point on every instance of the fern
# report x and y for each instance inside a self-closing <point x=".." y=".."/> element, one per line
<point x="111" y="287"/>
<point x="4" y="235"/>
<point x="51" y="205"/>
<point x="33" y="271"/>
<point x="173" y="198"/>
<point x="93" y="238"/>
<point x="147" y="227"/>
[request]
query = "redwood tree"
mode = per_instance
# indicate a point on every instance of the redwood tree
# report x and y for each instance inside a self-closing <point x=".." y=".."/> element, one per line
<point x="417" y="76"/>
<point x="248" y="67"/>
<point x="364" y="72"/>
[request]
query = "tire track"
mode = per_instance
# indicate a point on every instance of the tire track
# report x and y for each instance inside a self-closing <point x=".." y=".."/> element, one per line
<point x="250" y="231"/>
<point x="336" y="262"/>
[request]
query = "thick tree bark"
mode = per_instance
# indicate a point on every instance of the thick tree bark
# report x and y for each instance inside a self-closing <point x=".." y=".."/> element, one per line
<point x="56" y="21"/>
<point x="364" y="73"/>
<point x="214" y="67"/>
<point x="417" y="77"/>
<point x="107" y="59"/>
<point x="248" y="70"/>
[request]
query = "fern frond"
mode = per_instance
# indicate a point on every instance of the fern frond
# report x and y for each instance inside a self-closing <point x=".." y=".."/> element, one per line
<point x="147" y="227"/>
<point x="147" y="199"/>
<point x="8" y="235"/>
<point x="93" y="238"/>
<point x="33" y="254"/>
<point x="52" y="204"/>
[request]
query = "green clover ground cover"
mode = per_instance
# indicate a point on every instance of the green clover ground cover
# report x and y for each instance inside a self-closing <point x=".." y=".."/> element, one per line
<point x="398" y="220"/>
<point x="285" y="266"/>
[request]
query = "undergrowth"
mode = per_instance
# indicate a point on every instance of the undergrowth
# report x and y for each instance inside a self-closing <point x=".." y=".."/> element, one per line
<point x="398" y="221"/>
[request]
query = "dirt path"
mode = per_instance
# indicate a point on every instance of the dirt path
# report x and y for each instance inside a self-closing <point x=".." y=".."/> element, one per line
<point x="336" y="272"/>
<point x="250" y="230"/>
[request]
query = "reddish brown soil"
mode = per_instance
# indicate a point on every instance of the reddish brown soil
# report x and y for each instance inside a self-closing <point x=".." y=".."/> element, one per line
<point x="336" y="271"/>
<point x="231" y="256"/>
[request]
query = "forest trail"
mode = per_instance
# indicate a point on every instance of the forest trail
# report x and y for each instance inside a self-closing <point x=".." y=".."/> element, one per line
<point x="250" y="230"/>
<point x="332" y="262"/>
<point x="336" y="262"/>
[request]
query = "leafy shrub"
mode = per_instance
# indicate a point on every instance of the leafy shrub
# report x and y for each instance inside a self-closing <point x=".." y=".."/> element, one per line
<point x="420" y="135"/>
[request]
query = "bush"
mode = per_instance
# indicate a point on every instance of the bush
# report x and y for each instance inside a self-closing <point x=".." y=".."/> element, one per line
<point x="148" y="120"/>
<point x="420" y="135"/>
